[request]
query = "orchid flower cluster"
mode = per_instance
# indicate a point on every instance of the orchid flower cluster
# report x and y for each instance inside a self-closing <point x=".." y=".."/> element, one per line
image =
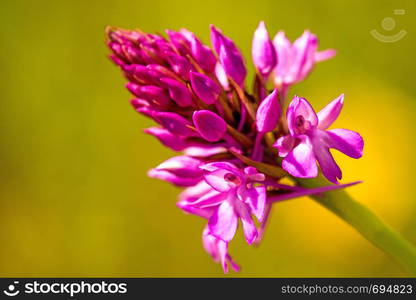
<point x="236" y="145"/>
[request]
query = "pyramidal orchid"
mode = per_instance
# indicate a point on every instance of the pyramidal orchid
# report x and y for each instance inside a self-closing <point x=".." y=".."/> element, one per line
<point x="308" y="140"/>
<point x="237" y="144"/>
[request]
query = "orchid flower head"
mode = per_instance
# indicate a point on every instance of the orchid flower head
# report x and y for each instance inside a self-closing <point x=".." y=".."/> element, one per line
<point x="229" y="137"/>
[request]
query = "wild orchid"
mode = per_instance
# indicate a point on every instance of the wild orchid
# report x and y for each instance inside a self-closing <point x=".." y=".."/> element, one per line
<point x="237" y="145"/>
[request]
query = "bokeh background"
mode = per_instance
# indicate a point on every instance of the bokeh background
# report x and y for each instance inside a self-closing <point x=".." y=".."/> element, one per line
<point x="74" y="196"/>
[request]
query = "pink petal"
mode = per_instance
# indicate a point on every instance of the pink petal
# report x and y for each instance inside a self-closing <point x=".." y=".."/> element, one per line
<point x="263" y="51"/>
<point x="222" y="248"/>
<point x="300" y="162"/>
<point x="167" y="138"/>
<point x="253" y="174"/>
<point x="347" y="141"/>
<point x="178" y="92"/>
<point x="220" y="165"/>
<point x="222" y="76"/>
<point x="305" y="47"/>
<point x="229" y="56"/>
<point x="217" y="172"/>
<point x="211" y="198"/>
<point x="204" y="87"/>
<point x="250" y="231"/>
<point x="268" y="113"/>
<point x="216" y="179"/>
<point x="223" y="223"/>
<point x="193" y="193"/>
<point x="202" y="54"/>
<point x="218" y="250"/>
<point x="284" y="145"/>
<point x="175" y="123"/>
<point x="256" y="200"/>
<point x="329" y="167"/>
<point x="190" y="209"/>
<point x="204" y="150"/>
<point x="325" y="55"/>
<point x="172" y="177"/>
<point x="183" y="166"/>
<point x="330" y="112"/>
<point x="209" y="125"/>
<point x="179" y="64"/>
<point x="283" y="50"/>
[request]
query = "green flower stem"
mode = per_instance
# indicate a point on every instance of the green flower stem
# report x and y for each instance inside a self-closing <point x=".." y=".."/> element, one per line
<point x="367" y="223"/>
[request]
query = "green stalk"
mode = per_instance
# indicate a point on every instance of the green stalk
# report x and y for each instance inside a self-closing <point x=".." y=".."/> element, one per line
<point x="367" y="223"/>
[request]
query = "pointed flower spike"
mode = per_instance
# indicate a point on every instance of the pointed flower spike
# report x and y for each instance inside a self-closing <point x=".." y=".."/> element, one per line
<point x="205" y="88"/>
<point x="263" y="51"/>
<point x="229" y="56"/>
<point x="178" y="91"/>
<point x="209" y="125"/>
<point x="268" y="113"/>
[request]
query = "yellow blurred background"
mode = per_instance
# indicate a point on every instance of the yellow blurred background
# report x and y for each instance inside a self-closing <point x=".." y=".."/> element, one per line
<point x="75" y="198"/>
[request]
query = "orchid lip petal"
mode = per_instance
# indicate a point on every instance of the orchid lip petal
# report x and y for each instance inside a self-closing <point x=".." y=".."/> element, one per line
<point x="326" y="161"/>
<point x="249" y="228"/>
<point x="223" y="223"/>
<point x="300" y="162"/>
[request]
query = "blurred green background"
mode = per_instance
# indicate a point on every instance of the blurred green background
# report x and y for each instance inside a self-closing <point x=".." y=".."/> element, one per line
<point x="75" y="198"/>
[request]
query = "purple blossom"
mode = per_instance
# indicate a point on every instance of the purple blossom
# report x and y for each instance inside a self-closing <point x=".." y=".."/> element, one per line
<point x="308" y="140"/>
<point x="263" y="51"/>
<point x="233" y="196"/>
<point x="226" y="132"/>
<point x="297" y="60"/>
